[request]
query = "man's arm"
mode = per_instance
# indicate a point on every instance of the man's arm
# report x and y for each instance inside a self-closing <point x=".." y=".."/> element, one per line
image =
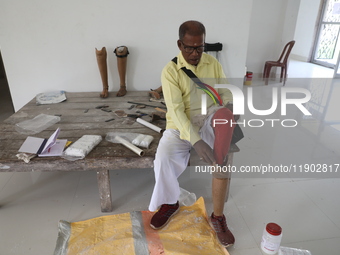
<point x="176" y="107"/>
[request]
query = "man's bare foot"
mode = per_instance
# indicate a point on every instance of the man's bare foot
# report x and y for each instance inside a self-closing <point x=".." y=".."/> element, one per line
<point x="105" y="93"/>
<point x="122" y="91"/>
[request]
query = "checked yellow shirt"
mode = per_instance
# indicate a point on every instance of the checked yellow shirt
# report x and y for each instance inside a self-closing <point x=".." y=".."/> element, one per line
<point x="183" y="98"/>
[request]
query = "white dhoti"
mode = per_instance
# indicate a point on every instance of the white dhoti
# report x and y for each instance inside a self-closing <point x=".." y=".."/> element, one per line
<point x="171" y="160"/>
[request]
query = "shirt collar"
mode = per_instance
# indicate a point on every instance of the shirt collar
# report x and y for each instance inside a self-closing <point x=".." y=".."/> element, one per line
<point x="181" y="62"/>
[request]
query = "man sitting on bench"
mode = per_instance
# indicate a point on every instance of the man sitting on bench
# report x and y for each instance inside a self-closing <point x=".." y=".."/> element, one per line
<point x="211" y="142"/>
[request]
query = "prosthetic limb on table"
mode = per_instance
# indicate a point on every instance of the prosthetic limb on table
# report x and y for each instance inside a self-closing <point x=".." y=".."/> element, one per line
<point x="121" y="54"/>
<point x="101" y="60"/>
<point x="156" y="93"/>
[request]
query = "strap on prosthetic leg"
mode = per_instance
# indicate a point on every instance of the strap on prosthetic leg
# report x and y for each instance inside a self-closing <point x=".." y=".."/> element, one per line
<point x="121" y="49"/>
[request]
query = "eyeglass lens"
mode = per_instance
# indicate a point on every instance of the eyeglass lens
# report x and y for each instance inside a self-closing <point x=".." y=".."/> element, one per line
<point x="189" y="49"/>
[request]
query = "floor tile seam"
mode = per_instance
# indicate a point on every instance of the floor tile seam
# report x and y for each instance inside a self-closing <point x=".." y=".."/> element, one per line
<point x="264" y="183"/>
<point x="255" y="239"/>
<point x="247" y="249"/>
<point x="3" y="186"/>
<point x="245" y="222"/>
<point x="296" y="180"/>
<point x="291" y="244"/>
<point x="320" y="208"/>
<point x="74" y="195"/>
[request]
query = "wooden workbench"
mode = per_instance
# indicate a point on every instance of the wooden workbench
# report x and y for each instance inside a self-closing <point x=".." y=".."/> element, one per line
<point x="76" y="122"/>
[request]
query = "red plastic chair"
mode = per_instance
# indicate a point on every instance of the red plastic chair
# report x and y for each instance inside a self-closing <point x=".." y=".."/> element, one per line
<point x="282" y="62"/>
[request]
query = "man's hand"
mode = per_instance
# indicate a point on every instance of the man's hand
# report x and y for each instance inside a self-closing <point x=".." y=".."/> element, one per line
<point x="205" y="152"/>
<point x="230" y="107"/>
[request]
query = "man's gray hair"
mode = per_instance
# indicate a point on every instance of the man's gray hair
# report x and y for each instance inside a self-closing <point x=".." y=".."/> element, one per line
<point x="191" y="27"/>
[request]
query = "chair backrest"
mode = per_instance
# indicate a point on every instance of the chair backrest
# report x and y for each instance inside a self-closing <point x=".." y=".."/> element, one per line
<point x="286" y="51"/>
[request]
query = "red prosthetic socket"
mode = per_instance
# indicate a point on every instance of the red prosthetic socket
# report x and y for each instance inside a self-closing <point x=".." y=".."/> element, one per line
<point x="223" y="133"/>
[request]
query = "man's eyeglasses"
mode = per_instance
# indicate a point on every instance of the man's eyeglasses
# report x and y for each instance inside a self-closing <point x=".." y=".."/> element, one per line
<point x="190" y="49"/>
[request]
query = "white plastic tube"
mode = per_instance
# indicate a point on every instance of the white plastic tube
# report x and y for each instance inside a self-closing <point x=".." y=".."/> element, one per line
<point x="130" y="146"/>
<point x="149" y="125"/>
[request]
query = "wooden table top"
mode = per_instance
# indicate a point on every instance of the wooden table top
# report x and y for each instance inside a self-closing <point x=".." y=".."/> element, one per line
<point x="76" y="122"/>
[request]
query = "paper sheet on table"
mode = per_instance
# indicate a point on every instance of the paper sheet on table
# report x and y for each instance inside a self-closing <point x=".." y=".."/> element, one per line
<point x="56" y="150"/>
<point x="53" y="97"/>
<point x="43" y="146"/>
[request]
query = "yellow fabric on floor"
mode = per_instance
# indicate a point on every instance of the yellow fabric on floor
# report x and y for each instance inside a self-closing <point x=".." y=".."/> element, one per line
<point x="188" y="232"/>
<point x="102" y="236"/>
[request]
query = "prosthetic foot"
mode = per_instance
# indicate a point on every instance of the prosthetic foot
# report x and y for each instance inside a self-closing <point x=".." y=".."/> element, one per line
<point x="156" y="93"/>
<point x="101" y="60"/>
<point x="121" y="54"/>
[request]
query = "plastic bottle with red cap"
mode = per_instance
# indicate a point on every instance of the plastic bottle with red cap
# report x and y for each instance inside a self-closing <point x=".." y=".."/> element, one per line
<point x="271" y="238"/>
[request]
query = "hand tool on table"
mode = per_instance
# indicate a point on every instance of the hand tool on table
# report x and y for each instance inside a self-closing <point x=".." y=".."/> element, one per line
<point x="160" y="110"/>
<point x="122" y="113"/>
<point x="132" y="115"/>
<point x="144" y="113"/>
<point x="154" y="106"/>
<point x="102" y="106"/>
<point x="106" y="110"/>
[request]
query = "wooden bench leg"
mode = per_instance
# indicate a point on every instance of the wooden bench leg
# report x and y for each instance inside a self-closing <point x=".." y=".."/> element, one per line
<point x="103" y="178"/>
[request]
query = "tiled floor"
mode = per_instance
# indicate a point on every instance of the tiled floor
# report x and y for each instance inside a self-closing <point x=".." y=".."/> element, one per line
<point x="306" y="206"/>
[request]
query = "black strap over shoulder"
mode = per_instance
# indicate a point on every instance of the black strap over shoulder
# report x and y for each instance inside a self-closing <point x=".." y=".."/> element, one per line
<point x="237" y="134"/>
<point x="196" y="80"/>
<point x="187" y="71"/>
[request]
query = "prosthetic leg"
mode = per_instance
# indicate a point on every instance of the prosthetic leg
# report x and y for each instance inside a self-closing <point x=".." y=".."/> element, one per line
<point x="101" y="60"/>
<point x="121" y="54"/>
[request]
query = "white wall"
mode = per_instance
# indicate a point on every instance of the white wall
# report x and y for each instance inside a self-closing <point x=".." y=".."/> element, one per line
<point x="289" y="26"/>
<point x="274" y="23"/>
<point x="305" y="29"/>
<point x="50" y="45"/>
<point x="266" y="27"/>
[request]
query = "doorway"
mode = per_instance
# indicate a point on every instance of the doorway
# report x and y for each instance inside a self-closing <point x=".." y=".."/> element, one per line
<point x="327" y="43"/>
<point x="6" y="103"/>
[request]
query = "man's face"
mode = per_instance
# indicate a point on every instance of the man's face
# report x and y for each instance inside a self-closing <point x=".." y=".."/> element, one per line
<point x="192" y="47"/>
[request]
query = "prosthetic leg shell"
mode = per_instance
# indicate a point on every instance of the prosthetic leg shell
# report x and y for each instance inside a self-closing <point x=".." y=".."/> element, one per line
<point x="122" y="53"/>
<point x="102" y="65"/>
